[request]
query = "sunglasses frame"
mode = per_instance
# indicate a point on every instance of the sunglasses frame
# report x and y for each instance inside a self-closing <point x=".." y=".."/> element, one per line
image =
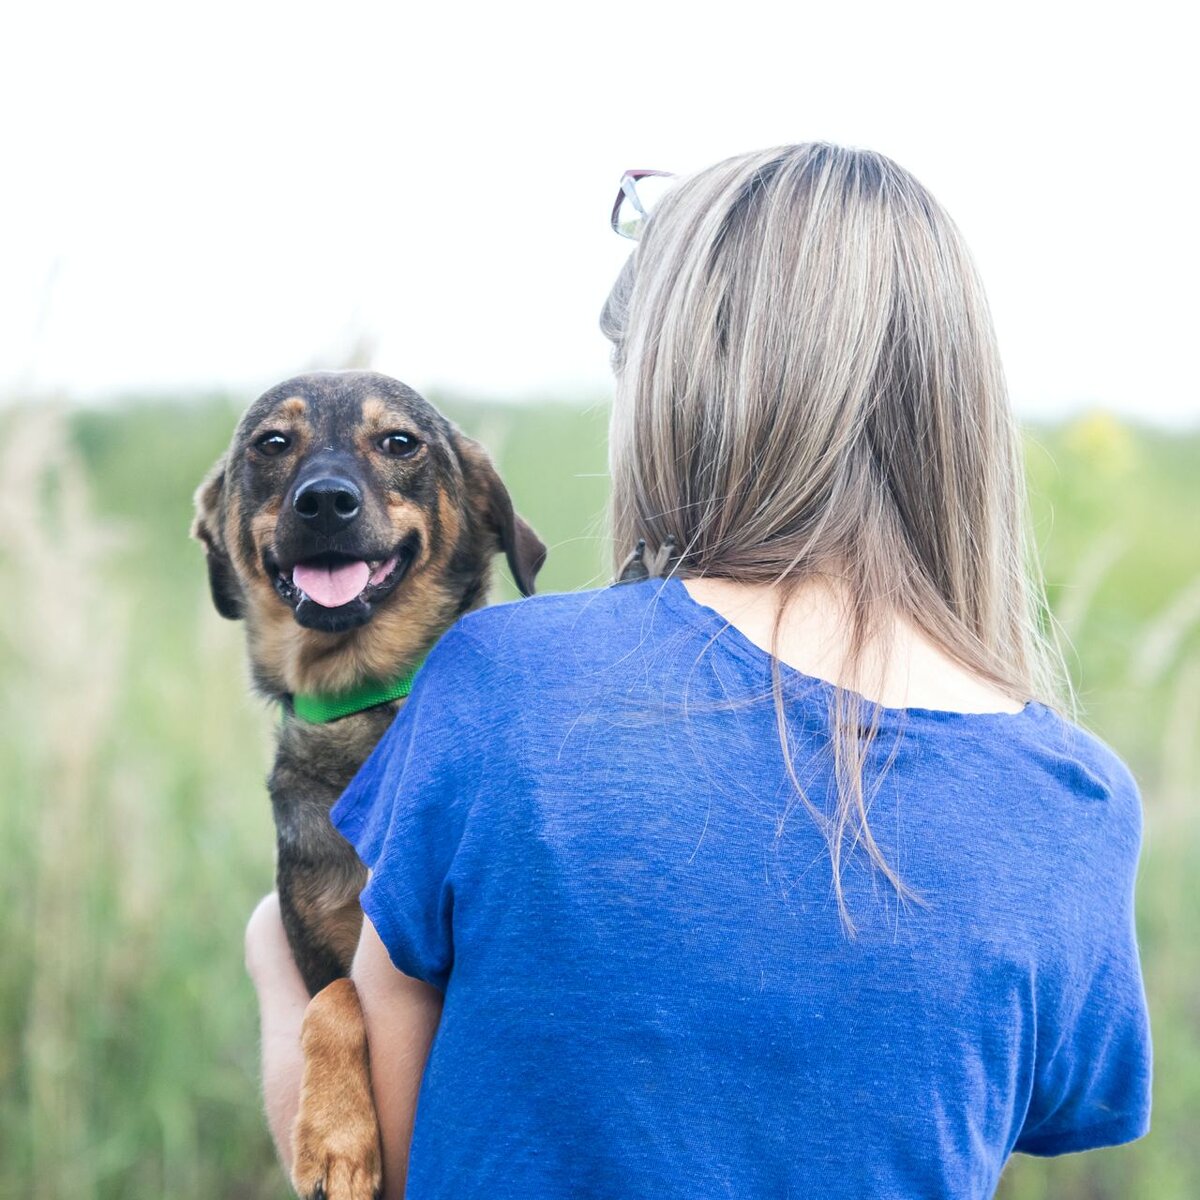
<point x="628" y="191"/>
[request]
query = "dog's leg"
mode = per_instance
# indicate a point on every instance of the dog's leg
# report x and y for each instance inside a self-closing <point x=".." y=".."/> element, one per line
<point x="335" y="1141"/>
<point x="320" y="910"/>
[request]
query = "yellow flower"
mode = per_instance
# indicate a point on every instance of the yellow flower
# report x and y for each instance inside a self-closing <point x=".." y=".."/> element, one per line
<point x="1103" y="442"/>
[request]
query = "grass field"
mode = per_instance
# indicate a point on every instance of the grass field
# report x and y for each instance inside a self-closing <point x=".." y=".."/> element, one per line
<point x="136" y="834"/>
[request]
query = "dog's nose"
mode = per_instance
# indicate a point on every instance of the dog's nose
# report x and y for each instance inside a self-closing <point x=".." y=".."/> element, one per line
<point x="327" y="504"/>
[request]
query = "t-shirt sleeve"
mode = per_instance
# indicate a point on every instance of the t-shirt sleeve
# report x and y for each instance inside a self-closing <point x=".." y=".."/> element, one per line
<point x="1092" y="1079"/>
<point x="407" y="809"/>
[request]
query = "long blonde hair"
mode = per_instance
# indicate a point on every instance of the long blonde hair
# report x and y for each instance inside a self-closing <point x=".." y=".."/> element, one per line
<point x="808" y="385"/>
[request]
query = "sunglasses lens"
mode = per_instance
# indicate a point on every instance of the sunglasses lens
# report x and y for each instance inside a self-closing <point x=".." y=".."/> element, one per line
<point x="634" y="210"/>
<point x="629" y="220"/>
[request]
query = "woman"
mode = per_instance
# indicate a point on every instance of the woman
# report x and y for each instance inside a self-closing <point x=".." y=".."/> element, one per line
<point x="782" y="875"/>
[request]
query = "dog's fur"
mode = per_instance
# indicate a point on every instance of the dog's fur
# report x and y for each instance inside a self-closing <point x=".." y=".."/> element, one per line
<point x="442" y="512"/>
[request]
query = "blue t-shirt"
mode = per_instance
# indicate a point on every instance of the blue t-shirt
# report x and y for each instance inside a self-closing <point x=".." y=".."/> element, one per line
<point x="581" y="828"/>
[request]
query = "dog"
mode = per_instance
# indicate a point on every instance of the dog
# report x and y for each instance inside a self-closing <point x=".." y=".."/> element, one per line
<point x="348" y="525"/>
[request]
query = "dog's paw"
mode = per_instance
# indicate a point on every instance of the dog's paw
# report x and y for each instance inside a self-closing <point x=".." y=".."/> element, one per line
<point x="335" y="1141"/>
<point x="336" y="1158"/>
<point x="337" y="1180"/>
<point x="330" y="1173"/>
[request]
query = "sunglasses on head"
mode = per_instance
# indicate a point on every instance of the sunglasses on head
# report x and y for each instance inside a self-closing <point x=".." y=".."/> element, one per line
<point x="640" y="191"/>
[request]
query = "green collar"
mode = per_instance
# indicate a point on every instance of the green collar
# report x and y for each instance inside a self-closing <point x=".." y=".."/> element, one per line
<point x="330" y="706"/>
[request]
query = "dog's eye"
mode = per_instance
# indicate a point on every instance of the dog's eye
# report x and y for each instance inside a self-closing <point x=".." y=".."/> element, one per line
<point x="272" y="443"/>
<point x="399" y="444"/>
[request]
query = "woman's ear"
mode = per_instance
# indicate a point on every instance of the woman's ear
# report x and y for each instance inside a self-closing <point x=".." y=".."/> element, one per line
<point x="488" y="495"/>
<point x="207" y="530"/>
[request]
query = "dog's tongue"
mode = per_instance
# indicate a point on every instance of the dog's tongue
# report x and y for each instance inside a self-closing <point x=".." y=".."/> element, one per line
<point x="331" y="587"/>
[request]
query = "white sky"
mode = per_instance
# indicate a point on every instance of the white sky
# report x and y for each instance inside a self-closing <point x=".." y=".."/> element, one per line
<point x="224" y="194"/>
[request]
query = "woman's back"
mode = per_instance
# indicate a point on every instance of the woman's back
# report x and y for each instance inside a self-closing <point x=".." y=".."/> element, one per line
<point x="590" y="840"/>
<point x="899" y="668"/>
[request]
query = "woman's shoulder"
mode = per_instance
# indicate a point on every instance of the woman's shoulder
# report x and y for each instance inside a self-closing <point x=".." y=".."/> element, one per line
<point x="1082" y="757"/>
<point x="1073" y="778"/>
<point x="544" y="633"/>
<point x="535" y="662"/>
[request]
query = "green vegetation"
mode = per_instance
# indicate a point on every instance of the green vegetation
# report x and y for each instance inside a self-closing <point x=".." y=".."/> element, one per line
<point x="136" y="834"/>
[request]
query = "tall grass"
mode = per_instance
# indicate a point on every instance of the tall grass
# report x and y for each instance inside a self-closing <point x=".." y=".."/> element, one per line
<point x="66" y="640"/>
<point x="135" y="831"/>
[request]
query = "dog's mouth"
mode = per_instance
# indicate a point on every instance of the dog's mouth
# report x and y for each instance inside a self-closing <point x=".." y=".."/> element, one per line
<point x="334" y="591"/>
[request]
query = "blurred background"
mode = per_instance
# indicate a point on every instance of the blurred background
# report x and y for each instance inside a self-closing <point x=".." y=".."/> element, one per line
<point x="201" y="201"/>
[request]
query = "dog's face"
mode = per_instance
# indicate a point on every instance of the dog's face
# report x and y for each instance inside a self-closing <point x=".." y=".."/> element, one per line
<point x="350" y="521"/>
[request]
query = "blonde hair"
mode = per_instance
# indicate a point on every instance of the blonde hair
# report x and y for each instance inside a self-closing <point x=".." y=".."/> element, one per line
<point x="808" y="385"/>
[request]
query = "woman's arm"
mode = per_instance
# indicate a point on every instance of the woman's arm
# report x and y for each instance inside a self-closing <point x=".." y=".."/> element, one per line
<point x="402" y="1016"/>
<point x="282" y="999"/>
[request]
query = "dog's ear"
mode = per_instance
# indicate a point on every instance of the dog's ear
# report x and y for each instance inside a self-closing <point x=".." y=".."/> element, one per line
<point x="522" y="547"/>
<point x="206" y="529"/>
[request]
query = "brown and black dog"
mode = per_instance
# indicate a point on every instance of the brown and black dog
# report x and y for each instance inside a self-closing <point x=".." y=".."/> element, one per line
<point x="349" y="524"/>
